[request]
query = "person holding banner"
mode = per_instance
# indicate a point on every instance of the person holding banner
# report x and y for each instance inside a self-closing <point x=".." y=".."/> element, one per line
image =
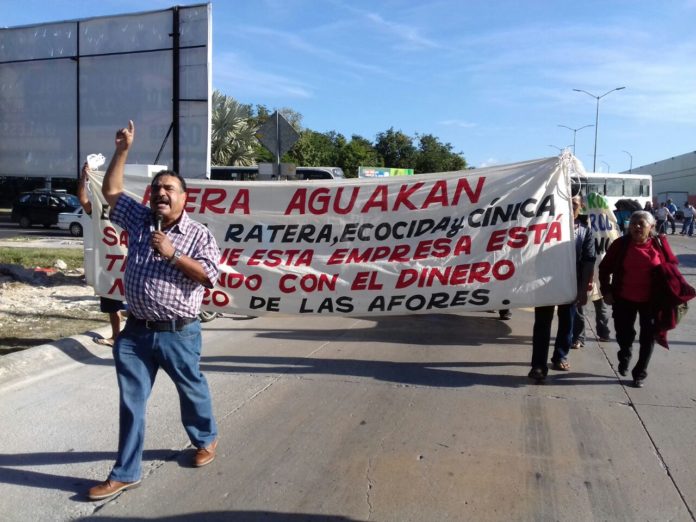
<point x="543" y="315"/>
<point x="605" y="230"/>
<point x="106" y="305"/>
<point x="171" y="260"/>
<point x="601" y="323"/>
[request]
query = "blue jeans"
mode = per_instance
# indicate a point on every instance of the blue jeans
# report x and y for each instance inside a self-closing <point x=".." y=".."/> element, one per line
<point x="688" y="226"/>
<point x="541" y="335"/>
<point x="139" y="353"/>
<point x="601" y="317"/>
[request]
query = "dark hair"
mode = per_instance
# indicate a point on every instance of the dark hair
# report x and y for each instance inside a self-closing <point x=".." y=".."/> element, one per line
<point x="176" y="175"/>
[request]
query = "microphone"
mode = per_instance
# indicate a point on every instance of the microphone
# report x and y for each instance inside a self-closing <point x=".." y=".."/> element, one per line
<point x="158" y="228"/>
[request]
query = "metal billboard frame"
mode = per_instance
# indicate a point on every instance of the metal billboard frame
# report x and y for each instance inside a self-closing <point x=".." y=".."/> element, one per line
<point x="65" y="87"/>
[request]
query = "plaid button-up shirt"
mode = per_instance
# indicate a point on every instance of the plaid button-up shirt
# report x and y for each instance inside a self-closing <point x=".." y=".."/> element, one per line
<point x="156" y="290"/>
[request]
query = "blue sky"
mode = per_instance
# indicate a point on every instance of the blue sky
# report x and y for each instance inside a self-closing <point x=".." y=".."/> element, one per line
<point x="493" y="78"/>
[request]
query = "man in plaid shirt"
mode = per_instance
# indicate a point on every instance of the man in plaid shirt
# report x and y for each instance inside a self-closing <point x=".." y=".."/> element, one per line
<point x="171" y="260"/>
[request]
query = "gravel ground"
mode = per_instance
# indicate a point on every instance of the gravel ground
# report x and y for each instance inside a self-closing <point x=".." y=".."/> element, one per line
<point x="37" y="307"/>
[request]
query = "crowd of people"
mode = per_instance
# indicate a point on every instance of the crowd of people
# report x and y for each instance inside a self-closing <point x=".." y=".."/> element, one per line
<point x="629" y="284"/>
<point x="666" y="216"/>
<point x="173" y="259"/>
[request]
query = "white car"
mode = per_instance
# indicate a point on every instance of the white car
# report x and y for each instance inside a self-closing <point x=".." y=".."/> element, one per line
<point x="72" y="221"/>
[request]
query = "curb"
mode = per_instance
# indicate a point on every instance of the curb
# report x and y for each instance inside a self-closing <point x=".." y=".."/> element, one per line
<point x="39" y="362"/>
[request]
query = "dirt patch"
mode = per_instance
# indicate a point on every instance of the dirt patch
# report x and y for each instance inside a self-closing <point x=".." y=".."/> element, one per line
<point x="38" y="307"/>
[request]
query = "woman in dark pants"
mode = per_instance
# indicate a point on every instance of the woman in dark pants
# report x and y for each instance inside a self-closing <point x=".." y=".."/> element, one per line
<point x="625" y="277"/>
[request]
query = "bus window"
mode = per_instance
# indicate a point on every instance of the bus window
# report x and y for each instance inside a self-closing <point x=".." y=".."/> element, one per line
<point x="614" y="187"/>
<point x="595" y="185"/>
<point x="632" y="188"/>
<point x="578" y="186"/>
<point x="645" y="188"/>
<point x="234" y="173"/>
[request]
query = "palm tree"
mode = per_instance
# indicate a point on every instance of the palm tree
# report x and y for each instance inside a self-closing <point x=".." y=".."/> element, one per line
<point x="233" y="133"/>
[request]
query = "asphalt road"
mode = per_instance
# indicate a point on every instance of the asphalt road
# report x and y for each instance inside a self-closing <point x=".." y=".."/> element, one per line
<point x="422" y="418"/>
<point x="10" y="230"/>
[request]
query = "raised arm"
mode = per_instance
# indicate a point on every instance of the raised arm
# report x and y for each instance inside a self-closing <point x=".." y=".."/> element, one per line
<point x="113" y="180"/>
<point x="82" y="189"/>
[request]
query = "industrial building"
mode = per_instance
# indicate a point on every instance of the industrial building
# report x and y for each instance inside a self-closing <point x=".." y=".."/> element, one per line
<point x="673" y="178"/>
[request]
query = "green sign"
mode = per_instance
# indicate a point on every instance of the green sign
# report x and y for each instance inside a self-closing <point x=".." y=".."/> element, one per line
<point x="382" y="172"/>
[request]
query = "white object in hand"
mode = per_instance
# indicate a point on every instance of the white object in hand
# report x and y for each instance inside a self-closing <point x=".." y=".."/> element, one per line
<point x="94" y="161"/>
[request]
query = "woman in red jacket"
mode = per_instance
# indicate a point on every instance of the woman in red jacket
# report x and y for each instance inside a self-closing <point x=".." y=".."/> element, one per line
<point x="625" y="278"/>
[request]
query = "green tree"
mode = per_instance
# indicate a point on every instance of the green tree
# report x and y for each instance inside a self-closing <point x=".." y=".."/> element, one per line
<point x="316" y="149"/>
<point x="396" y="149"/>
<point x="233" y="139"/>
<point x="358" y="152"/>
<point x="435" y="156"/>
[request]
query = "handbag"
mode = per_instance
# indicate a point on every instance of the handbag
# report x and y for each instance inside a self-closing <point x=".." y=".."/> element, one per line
<point x="680" y="312"/>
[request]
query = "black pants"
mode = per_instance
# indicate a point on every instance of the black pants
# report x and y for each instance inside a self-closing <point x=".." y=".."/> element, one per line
<point x="624" y="314"/>
<point x="541" y="335"/>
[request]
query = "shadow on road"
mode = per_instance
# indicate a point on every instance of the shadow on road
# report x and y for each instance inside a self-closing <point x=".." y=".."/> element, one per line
<point x="34" y="479"/>
<point x="439" y="374"/>
<point x="227" y="516"/>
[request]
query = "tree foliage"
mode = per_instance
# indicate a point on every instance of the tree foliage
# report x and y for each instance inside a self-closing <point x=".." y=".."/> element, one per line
<point x="396" y="149"/>
<point x="233" y="137"/>
<point x="315" y="149"/>
<point x="234" y="143"/>
<point x="435" y="156"/>
<point x="358" y="152"/>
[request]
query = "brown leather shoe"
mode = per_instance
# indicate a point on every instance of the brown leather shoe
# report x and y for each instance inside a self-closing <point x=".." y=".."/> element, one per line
<point x="109" y="488"/>
<point x="205" y="456"/>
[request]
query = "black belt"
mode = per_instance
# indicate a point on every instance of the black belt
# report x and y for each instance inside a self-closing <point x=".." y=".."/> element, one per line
<point x="169" y="325"/>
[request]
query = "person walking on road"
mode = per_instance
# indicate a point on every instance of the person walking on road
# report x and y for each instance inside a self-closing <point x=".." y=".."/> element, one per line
<point x="672" y="218"/>
<point x="171" y="260"/>
<point x="106" y="305"/>
<point x="662" y="216"/>
<point x="688" y="225"/>
<point x="543" y="315"/>
<point x="626" y="282"/>
<point x="601" y="323"/>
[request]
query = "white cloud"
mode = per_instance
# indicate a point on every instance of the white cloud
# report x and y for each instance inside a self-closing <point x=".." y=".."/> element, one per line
<point x="237" y="78"/>
<point x="405" y="36"/>
<point x="489" y="163"/>
<point x="401" y="36"/>
<point x="283" y="40"/>
<point x="457" y="123"/>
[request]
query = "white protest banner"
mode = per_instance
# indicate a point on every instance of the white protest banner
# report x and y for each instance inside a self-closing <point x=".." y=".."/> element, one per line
<point x="480" y="239"/>
<point x="605" y="229"/>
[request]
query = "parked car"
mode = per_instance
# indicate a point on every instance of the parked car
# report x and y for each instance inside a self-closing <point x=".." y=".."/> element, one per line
<point x="72" y="221"/>
<point x="42" y="207"/>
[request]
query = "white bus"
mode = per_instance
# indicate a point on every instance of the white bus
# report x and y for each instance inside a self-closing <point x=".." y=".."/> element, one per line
<point x="637" y="187"/>
<point x="251" y="173"/>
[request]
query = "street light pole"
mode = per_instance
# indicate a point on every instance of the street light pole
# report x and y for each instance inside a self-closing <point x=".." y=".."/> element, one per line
<point x="560" y="149"/>
<point x="575" y="132"/>
<point x="630" y="168"/>
<point x="594" y="162"/>
<point x="607" y="165"/>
